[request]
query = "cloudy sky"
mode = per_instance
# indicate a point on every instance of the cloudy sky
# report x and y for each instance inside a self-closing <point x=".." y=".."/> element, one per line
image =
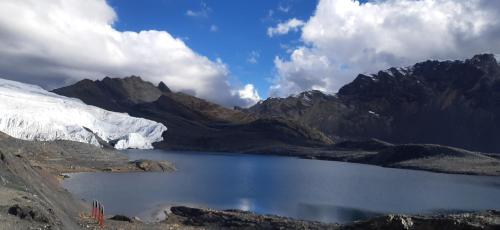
<point x="236" y="52"/>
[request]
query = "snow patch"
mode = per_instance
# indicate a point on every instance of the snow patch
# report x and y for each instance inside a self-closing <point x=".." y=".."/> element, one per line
<point x="133" y="141"/>
<point x="29" y="112"/>
<point x="374" y="113"/>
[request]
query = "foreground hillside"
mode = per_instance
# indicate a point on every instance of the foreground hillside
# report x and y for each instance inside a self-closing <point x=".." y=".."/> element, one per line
<point x="454" y="103"/>
<point x="32" y="113"/>
<point x="194" y="124"/>
<point x="30" y="194"/>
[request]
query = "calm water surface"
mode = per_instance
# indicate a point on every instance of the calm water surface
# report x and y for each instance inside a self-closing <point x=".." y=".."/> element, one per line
<point x="306" y="189"/>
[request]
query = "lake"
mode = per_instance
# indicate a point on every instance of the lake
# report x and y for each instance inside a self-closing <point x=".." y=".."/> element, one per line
<point x="326" y="191"/>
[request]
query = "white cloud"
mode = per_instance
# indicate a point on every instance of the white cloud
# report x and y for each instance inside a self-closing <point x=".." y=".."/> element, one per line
<point x="253" y="57"/>
<point x="344" y="38"/>
<point x="284" y="8"/>
<point x="54" y="43"/>
<point x="202" y="12"/>
<point x="285" y="27"/>
<point x="250" y="94"/>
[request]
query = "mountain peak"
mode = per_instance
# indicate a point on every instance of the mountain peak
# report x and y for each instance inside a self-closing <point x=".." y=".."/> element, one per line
<point x="117" y="91"/>
<point x="483" y="58"/>
<point x="163" y="88"/>
<point x="485" y="62"/>
<point x="310" y="94"/>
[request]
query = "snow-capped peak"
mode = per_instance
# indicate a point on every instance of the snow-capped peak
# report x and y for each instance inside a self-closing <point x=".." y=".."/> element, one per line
<point x="31" y="113"/>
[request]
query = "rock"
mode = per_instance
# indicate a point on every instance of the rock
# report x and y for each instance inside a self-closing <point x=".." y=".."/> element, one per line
<point x="2" y="157"/>
<point x="486" y="220"/>
<point x="186" y="211"/>
<point x="28" y="213"/>
<point x="153" y="166"/>
<point x="121" y="218"/>
<point x="235" y="219"/>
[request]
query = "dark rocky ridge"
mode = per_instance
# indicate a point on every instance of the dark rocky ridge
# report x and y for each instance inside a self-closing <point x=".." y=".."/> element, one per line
<point x="193" y="123"/>
<point x="455" y="103"/>
<point x="196" y="218"/>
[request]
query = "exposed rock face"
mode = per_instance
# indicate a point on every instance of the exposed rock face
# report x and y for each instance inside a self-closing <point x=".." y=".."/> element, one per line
<point x="194" y="124"/>
<point x="113" y="93"/>
<point x="28" y="213"/>
<point x="121" y="218"/>
<point x="153" y="166"/>
<point x="234" y="219"/>
<point x="487" y="220"/>
<point x="454" y="103"/>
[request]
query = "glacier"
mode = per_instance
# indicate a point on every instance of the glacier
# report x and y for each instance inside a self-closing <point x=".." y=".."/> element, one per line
<point x="29" y="112"/>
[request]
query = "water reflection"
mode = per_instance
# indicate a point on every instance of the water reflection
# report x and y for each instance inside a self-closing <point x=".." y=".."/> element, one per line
<point x="306" y="189"/>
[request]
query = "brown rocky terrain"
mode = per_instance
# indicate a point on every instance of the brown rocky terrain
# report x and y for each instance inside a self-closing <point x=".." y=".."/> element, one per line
<point x="193" y="123"/>
<point x="30" y="194"/>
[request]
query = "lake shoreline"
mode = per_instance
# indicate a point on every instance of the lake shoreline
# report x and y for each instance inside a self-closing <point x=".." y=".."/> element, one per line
<point x="479" y="164"/>
<point x="21" y="170"/>
<point x="197" y="218"/>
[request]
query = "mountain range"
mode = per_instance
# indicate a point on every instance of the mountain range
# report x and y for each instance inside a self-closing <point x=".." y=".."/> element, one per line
<point x="455" y="103"/>
<point x="193" y="123"/>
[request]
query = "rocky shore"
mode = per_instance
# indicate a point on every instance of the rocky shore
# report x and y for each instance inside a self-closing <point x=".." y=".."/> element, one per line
<point x="195" y="218"/>
<point x="426" y="157"/>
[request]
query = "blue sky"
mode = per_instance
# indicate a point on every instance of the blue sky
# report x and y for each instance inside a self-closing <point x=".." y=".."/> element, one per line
<point x="226" y="29"/>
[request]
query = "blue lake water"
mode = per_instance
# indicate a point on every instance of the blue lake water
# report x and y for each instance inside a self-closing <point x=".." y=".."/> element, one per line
<point x="307" y="189"/>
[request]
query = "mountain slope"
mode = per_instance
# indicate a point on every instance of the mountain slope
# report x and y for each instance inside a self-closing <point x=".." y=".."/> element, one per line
<point x="29" y="112"/>
<point x="454" y="103"/>
<point x="194" y="124"/>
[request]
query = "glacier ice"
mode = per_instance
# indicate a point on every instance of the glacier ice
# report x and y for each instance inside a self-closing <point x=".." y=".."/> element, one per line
<point x="31" y="113"/>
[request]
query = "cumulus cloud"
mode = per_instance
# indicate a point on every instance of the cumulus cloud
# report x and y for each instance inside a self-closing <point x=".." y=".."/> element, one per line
<point x="344" y="38"/>
<point x="285" y="27"/>
<point x="249" y="93"/>
<point x="54" y="43"/>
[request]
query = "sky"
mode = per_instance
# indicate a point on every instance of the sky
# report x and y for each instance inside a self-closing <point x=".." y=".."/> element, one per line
<point x="234" y="31"/>
<point x="236" y="53"/>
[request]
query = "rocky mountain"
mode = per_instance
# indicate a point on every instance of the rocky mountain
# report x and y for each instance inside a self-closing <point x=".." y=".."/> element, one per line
<point x="194" y="124"/>
<point x="454" y="103"/>
<point x="31" y="113"/>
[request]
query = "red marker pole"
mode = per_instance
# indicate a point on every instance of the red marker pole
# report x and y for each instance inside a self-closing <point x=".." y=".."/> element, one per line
<point x="94" y="205"/>
<point x="97" y="205"/>
<point x="101" y="217"/>
<point x="99" y="213"/>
